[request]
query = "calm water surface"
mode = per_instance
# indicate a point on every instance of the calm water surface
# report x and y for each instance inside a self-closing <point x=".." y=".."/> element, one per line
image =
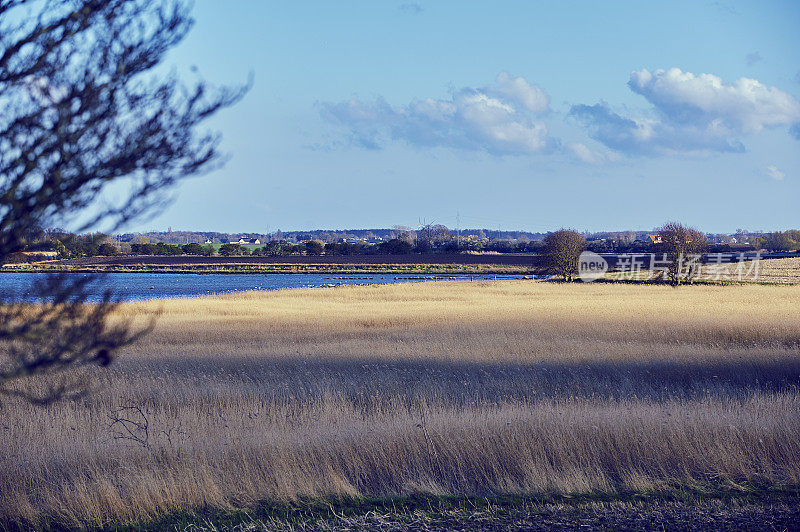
<point x="144" y="286"/>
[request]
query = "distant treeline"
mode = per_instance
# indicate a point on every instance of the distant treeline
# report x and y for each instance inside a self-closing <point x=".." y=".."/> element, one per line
<point x="327" y="236"/>
<point x="429" y="239"/>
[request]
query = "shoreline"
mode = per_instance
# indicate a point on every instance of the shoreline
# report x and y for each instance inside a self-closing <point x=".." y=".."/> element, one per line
<point x="784" y="270"/>
<point x="289" y="268"/>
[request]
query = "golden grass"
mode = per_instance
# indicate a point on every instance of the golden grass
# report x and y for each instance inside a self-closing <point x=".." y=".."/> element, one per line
<point x="785" y="270"/>
<point x="488" y="322"/>
<point x="456" y="388"/>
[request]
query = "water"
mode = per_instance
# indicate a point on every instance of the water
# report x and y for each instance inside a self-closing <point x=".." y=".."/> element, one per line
<point x="144" y="286"/>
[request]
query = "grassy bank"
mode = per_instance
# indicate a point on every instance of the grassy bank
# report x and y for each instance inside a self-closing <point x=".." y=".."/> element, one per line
<point x="766" y="271"/>
<point x="448" y="389"/>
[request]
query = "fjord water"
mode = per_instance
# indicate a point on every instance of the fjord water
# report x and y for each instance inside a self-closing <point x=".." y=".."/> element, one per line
<point x="144" y="286"/>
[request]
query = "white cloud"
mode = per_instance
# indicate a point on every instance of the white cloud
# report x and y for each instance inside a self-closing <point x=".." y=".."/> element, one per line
<point x="499" y="119"/>
<point x="692" y="114"/>
<point x="745" y="106"/>
<point x="648" y="137"/>
<point x="773" y="172"/>
<point x="518" y="90"/>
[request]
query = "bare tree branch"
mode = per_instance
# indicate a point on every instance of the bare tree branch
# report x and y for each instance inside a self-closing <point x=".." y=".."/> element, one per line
<point x="59" y="330"/>
<point x="84" y="105"/>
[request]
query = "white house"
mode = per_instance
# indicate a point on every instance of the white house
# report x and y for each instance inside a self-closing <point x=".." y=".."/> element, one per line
<point x="243" y="240"/>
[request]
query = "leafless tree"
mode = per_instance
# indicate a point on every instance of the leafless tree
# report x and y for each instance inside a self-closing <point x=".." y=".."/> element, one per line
<point x="432" y="235"/>
<point x="682" y="247"/>
<point x="84" y="107"/>
<point x="562" y="249"/>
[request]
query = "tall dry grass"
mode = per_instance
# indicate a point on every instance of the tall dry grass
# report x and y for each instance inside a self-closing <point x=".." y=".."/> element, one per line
<point x="458" y="388"/>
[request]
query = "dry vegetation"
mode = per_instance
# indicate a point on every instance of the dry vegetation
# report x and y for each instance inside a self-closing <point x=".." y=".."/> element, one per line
<point x="780" y="270"/>
<point x="445" y="388"/>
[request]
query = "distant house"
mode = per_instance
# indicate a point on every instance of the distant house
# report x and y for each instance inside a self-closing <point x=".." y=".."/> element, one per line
<point x="244" y="241"/>
<point x="208" y="241"/>
<point x="657" y="239"/>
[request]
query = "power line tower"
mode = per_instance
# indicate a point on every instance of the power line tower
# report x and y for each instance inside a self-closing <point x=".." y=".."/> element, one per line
<point x="458" y="231"/>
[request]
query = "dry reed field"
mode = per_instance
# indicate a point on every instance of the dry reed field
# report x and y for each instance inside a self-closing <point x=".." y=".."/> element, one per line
<point x="785" y="270"/>
<point x="452" y="388"/>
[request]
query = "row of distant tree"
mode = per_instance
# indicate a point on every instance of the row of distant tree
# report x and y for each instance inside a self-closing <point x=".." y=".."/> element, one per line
<point x="679" y="245"/>
<point x="612" y="240"/>
<point x="430" y="239"/>
<point x="326" y="236"/>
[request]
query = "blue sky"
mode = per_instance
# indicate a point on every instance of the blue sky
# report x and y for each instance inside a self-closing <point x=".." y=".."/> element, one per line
<point x="519" y="115"/>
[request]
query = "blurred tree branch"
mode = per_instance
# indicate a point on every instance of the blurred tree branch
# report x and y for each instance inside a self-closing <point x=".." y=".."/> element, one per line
<point x="63" y="332"/>
<point x="92" y="132"/>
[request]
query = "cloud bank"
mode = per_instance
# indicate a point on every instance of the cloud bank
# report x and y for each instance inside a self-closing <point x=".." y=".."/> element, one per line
<point x="689" y="114"/>
<point x="694" y="113"/>
<point x="649" y="137"/>
<point x="744" y="106"/>
<point x="501" y="119"/>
